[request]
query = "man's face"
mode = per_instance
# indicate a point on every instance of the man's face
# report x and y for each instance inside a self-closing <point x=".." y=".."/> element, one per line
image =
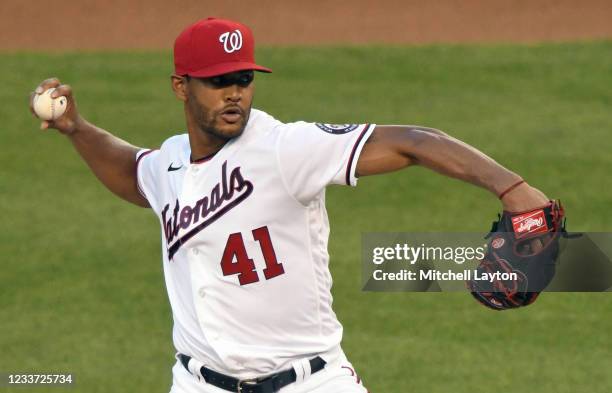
<point x="221" y="105"/>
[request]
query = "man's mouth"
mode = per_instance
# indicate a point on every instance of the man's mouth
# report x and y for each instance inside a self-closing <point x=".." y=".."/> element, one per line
<point x="231" y="115"/>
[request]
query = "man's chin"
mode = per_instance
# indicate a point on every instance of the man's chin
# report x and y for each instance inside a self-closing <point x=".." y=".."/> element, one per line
<point x="228" y="131"/>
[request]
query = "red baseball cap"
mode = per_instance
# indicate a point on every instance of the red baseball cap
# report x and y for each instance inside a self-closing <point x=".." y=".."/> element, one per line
<point x="212" y="47"/>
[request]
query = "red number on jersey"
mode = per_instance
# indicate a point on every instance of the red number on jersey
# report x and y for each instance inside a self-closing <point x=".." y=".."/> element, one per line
<point x="243" y="266"/>
<point x="273" y="268"/>
<point x="236" y="261"/>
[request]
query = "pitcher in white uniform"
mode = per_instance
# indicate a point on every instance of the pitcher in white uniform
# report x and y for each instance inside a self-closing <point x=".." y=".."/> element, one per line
<point x="240" y="199"/>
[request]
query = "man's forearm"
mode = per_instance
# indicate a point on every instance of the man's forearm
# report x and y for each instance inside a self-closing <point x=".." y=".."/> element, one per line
<point x="451" y="157"/>
<point x="110" y="158"/>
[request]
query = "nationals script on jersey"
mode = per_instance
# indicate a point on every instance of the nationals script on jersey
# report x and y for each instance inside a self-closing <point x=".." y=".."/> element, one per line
<point x="244" y="241"/>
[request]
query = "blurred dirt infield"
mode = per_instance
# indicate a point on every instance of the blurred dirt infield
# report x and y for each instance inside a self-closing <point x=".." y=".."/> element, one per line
<point x="110" y="24"/>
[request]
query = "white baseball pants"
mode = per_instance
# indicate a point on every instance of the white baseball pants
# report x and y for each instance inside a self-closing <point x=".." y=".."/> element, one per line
<point x="338" y="376"/>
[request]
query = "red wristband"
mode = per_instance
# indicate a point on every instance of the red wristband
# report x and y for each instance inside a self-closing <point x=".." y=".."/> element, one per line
<point x="512" y="187"/>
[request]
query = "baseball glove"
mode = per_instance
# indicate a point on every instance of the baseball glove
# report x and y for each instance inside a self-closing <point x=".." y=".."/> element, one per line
<point x="520" y="259"/>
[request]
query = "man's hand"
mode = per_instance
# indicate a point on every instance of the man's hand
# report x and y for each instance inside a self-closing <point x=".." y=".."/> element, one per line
<point x="524" y="198"/>
<point x="70" y="121"/>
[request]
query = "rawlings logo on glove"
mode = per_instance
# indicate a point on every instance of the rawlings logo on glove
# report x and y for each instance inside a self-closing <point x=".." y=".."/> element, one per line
<point x="526" y="224"/>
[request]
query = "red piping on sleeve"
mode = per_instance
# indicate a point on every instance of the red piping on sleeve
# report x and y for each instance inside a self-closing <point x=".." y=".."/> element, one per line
<point x="352" y="157"/>
<point x="140" y="191"/>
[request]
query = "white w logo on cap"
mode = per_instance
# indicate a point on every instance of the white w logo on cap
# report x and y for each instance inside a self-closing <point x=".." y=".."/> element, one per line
<point x="231" y="41"/>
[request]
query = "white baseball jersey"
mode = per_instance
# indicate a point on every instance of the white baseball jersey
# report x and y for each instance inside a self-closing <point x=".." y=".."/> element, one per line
<point x="244" y="241"/>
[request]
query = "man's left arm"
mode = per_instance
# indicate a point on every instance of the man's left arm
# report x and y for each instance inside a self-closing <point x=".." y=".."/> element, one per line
<point x="391" y="148"/>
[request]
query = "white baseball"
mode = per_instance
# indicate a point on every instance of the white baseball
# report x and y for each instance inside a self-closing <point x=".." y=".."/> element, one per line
<point x="47" y="108"/>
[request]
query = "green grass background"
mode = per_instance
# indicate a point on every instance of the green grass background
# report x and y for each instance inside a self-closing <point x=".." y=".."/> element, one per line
<point x="81" y="287"/>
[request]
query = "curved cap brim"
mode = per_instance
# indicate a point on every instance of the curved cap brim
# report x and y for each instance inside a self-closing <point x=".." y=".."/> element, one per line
<point x="226" y="68"/>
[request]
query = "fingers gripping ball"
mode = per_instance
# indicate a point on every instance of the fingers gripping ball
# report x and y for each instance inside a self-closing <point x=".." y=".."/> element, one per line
<point x="48" y="108"/>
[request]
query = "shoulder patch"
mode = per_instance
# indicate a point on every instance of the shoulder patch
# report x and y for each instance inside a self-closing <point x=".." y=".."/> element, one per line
<point x="337" y="128"/>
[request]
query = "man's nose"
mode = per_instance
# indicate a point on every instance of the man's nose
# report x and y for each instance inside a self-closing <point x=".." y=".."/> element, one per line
<point x="233" y="93"/>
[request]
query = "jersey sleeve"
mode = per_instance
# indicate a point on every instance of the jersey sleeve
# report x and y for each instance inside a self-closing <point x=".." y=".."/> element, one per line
<point x="146" y="175"/>
<point x="314" y="155"/>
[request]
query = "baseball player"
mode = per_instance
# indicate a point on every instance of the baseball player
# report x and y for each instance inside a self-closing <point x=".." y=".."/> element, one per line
<point x="241" y="204"/>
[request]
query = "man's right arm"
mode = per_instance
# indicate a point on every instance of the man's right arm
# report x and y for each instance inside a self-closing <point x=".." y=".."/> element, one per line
<point x="111" y="159"/>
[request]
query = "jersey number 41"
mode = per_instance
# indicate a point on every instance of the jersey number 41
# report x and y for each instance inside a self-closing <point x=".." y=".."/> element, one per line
<point x="235" y="259"/>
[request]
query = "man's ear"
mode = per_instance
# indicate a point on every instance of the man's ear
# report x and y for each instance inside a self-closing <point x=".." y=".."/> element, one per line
<point x="179" y="86"/>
